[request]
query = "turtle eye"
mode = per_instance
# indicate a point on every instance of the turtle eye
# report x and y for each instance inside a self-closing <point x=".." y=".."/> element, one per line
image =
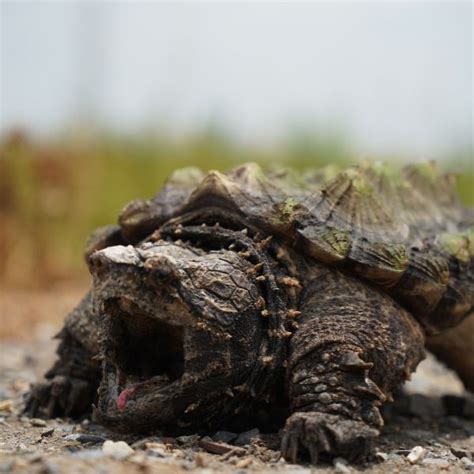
<point x="161" y="271"/>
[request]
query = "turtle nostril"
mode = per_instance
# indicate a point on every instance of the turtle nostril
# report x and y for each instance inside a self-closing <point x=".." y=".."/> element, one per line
<point x="97" y="264"/>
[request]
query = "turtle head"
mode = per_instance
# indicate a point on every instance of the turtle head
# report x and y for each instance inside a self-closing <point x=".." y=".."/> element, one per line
<point x="180" y="327"/>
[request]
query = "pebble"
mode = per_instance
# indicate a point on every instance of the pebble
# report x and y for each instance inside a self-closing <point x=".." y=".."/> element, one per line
<point x="224" y="436"/>
<point x="436" y="463"/>
<point x="416" y="455"/>
<point x="467" y="464"/>
<point x="184" y="440"/>
<point x="90" y="438"/>
<point x="142" y="443"/>
<point x="140" y="459"/>
<point x="381" y="456"/>
<point x="243" y="463"/>
<point x="47" y="432"/>
<point x="460" y="453"/>
<point x="340" y="466"/>
<point x="157" y="452"/>
<point x="118" y="450"/>
<point x="6" y="405"/>
<point x="84" y="438"/>
<point x="246" y="437"/>
<point x="38" y="422"/>
<point x="200" y="460"/>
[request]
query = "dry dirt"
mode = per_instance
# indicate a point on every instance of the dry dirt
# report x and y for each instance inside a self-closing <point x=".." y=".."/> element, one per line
<point x="30" y="319"/>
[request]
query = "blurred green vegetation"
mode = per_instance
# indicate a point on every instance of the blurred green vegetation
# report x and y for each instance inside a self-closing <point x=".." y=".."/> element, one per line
<point x="52" y="194"/>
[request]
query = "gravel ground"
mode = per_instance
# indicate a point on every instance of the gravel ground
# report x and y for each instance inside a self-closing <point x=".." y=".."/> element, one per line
<point x="422" y="433"/>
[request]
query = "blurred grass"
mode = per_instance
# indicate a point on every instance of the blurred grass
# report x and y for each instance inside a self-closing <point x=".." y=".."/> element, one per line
<point x="53" y="194"/>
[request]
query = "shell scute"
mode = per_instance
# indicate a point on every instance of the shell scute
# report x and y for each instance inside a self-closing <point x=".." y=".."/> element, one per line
<point x="327" y="245"/>
<point x="423" y="283"/>
<point x="142" y="216"/>
<point x="381" y="262"/>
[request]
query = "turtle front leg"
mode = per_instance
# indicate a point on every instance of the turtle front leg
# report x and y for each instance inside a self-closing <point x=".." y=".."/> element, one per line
<point x="352" y="348"/>
<point x="71" y="384"/>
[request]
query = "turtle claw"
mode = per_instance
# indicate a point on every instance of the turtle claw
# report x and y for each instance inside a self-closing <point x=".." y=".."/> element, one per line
<point x="321" y="433"/>
<point x="60" y="396"/>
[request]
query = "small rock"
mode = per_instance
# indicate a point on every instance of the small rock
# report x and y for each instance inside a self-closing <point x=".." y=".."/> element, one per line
<point x="153" y="445"/>
<point x="118" y="450"/>
<point x="72" y="446"/>
<point x="142" y="443"/>
<point x="157" y="452"/>
<point x="436" y="463"/>
<point x="89" y="438"/>
<point x="200" y="460"/>
<point x="224" y="436"/>
<point x="341" y="466"/>
<point x="246" y="437"/>
<point x="47" y="432"/>
<point x="37" y="422"/>
<point x="6" y="405"/>
<point x="467" y="464"/>
<point x="460" y="453"/>
<point x="243" y="463"/>
<point x="140" y="459"/>
<point x="381" y="456"/>
<point x="185" y="440"/>
<point x="416" y="455"/>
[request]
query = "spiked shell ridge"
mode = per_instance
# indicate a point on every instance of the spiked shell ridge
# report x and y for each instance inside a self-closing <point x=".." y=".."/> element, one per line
<point x="403" y="230"/>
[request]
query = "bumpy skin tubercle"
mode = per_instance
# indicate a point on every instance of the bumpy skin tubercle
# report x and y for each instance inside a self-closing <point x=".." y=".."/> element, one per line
<point x="353" y="347"/>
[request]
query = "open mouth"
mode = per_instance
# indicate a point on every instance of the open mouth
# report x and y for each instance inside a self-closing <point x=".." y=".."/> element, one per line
<point x="145" y="353"/>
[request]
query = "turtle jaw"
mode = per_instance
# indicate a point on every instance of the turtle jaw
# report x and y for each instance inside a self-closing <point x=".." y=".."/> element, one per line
<point x="145" y="367"/>
<point x="147" y="329"/>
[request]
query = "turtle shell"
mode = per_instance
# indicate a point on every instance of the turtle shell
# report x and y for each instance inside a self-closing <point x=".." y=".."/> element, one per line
<point x="403" y="230"/>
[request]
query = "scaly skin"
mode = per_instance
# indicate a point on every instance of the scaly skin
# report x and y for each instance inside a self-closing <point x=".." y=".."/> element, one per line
<point x="348" y="355"/>
<point x="71" y="384"/>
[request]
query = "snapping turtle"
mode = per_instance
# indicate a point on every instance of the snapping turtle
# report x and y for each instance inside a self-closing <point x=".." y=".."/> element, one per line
<point x="254" y="296"/>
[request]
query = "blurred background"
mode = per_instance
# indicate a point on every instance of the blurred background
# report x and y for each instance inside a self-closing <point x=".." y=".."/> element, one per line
<point x="101" y="100"/>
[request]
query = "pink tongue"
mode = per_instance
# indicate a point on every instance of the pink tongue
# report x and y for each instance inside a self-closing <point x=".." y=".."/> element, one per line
<point x="124" y="394"/>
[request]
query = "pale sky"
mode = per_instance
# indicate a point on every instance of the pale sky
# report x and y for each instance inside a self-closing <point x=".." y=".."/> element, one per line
<point x="395" y="77"/>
